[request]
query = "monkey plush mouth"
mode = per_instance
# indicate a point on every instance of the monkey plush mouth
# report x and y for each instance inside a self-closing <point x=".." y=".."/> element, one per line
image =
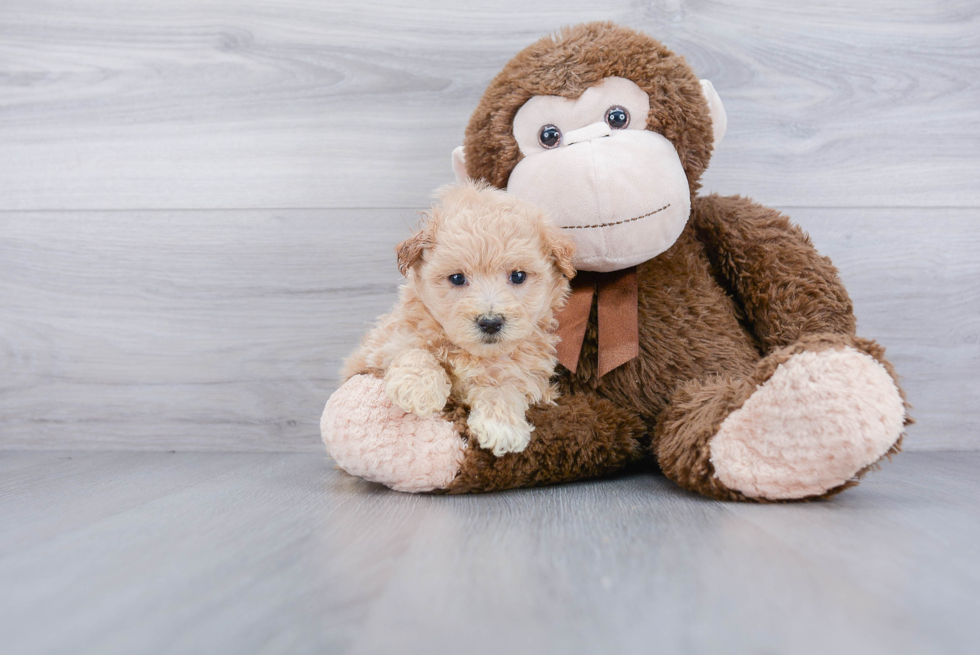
<point x="627" y="220"/>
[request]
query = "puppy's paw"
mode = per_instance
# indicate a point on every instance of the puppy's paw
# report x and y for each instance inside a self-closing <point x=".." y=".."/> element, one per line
<point x="499" y="437"/>
<point x="419" y="391"/>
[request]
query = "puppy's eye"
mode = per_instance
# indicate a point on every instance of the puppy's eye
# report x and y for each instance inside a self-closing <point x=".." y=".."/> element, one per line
<point x="518" y="277"/>
<point x="617" y="117"/>
<point x="549" y="136"/>
<point x="457" y="279"/>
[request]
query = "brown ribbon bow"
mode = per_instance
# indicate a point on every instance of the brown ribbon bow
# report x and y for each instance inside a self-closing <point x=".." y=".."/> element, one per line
<point x="619" y="333"/>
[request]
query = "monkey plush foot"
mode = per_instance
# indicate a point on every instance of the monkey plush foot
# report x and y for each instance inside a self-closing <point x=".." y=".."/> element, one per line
<point x="811" y="427"/>
<point x="372" y="438"/>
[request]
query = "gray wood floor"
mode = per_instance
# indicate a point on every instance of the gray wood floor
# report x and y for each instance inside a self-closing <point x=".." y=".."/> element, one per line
<point x="122" y="552"/>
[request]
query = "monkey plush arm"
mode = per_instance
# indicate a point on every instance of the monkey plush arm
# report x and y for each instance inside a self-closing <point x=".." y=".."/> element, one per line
<point x="786" y="288"/>
<point x="582" y="436"/>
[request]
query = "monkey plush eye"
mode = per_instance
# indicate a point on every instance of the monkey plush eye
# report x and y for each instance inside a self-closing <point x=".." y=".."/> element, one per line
<point x="457" y="279"/>
<point x="549" y="136"/>
<point x="617" y="117"/>
<point x="518" y="277"/>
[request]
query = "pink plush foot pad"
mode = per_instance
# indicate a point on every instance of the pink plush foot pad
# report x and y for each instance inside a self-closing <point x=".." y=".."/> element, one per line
<point x="820" y="418"/>
<point x="370" y="437"/>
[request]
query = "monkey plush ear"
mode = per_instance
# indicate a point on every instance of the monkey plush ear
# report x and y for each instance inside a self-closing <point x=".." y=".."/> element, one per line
<point x="719" y="120"/>
<point x="410" y="251"/>
<point x="459" y="165"/>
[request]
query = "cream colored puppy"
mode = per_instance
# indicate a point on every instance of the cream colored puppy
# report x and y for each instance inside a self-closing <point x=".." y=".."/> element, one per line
<point x="475" y="317"/>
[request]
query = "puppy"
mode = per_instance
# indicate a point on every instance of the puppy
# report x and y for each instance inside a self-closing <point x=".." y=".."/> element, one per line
<point x="475" y="318"/>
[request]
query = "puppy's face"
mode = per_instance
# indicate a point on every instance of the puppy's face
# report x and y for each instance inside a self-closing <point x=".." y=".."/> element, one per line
<point x="486" y="302"/>
<point x="489" y="268"/>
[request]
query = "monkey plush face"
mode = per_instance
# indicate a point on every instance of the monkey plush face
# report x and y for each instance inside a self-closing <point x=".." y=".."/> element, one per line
<point x="593" y="165"/>
<point x="605" y="129"/>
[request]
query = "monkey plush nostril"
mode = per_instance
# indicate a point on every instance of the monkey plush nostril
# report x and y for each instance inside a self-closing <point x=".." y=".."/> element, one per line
<point x="490" y="324"/>
<point x="587" y="133"/>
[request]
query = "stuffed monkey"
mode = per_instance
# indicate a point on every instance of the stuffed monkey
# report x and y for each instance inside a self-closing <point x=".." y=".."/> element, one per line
<point x="704" y="336"/>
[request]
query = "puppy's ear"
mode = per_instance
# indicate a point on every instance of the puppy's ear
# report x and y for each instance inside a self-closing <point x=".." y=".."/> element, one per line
<point x="410" y="250"/>
<point x="562" y="250"/>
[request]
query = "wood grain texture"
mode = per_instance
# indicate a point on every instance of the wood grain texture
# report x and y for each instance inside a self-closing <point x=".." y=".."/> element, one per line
<point x="913" y="275"/>
<point x="260" y="553"/>
<point x="108" y="104"/>
<point x="214" y="330"/>
<point x="225" y="330"/>
<point x="216" y="320"/>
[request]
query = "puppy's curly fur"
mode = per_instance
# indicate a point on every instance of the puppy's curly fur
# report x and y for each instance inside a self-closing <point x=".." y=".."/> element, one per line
<point x="482" y="256"/>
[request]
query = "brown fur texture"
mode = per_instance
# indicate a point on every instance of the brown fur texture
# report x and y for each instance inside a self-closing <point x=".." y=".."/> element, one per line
<point x="584" y="436"/>
<point x="700" y="357"/>
<point x="786" y="289"/>
<point x="738" y="293"/>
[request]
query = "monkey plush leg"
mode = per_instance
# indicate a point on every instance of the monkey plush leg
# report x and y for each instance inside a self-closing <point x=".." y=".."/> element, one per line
<point x="580" y="437"/>
<point x="812" y="419"/>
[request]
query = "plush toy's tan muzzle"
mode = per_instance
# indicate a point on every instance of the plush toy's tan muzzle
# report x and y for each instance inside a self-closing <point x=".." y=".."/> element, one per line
<point x="623" y="194"/>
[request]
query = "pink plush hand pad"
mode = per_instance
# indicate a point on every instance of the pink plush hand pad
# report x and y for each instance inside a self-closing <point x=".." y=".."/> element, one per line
<point x="370" y="437"/>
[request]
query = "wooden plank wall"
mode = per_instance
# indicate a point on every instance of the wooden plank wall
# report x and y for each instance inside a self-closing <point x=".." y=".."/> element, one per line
<point x="198" y="200"/>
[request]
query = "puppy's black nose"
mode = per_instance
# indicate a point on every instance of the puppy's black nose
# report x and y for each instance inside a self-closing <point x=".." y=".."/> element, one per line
<point x="490" y="324"/>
